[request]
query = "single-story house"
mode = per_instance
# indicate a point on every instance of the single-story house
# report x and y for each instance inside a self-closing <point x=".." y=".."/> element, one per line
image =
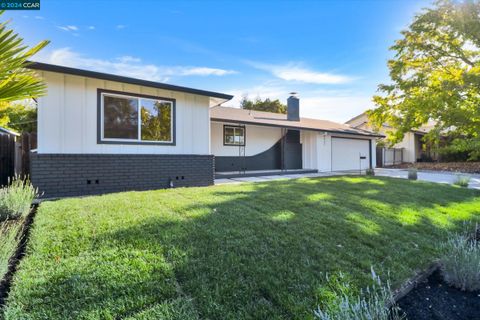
<point x="101" y="133"/>
<point x="413" y="147"/>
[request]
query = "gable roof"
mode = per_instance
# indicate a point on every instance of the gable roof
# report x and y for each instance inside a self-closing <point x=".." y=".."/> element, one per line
<point x="112" y="77"/>
<point x="356" y="117"/>
<point x="420" y="130"/>
<point x="236" y="115"/>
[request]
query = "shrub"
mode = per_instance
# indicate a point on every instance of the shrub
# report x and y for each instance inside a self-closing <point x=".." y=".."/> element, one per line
<point x="337" y="286"/>
<point x="370" y="172"/>
<point x="462" y="181"/>
<point x="9" y="241"/>
<point x="16" y="199"/>
<point x="461" y="262"/>
<point x="412" y="174"/>
<point x="375" y="303"/>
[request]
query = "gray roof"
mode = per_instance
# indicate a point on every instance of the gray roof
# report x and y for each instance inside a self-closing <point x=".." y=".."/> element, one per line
<point x="237" y="115"/>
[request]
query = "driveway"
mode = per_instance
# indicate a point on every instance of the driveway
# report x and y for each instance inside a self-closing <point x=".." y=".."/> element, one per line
<point x="432" y="176"/>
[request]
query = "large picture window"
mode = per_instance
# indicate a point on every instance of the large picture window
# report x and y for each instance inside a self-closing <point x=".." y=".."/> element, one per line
<point x="134" y="119"/>
<point x="233" y="136"/>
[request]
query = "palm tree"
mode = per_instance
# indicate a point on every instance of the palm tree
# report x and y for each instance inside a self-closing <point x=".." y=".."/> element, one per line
<point x="16" y="81"/>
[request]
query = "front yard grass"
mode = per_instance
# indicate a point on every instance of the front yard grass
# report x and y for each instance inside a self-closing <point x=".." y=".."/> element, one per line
<point x="248" y="251"/>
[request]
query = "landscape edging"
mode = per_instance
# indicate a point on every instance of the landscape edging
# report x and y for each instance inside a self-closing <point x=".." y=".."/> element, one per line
<point x="14" y="261"/>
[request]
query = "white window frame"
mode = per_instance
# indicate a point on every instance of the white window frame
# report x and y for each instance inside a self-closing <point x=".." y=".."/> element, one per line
<point x="235" y="128"/>
<point x="139" y="125"/>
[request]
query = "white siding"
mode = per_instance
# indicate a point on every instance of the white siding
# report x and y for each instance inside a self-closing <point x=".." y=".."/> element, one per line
<point x="257" y="139"/>
<point x="317" y="151"/>
<point x="309" y="149"/>
<point x="408" y="143"/>
<point x="347" y="153"/>
<point x="67" y="118"/>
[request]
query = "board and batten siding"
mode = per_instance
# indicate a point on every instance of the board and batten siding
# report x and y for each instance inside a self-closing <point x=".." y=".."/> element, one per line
<point x="67" y="118"/>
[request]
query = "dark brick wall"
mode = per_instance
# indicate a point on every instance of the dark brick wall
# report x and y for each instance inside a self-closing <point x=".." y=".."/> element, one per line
<point x="62" y="175"/>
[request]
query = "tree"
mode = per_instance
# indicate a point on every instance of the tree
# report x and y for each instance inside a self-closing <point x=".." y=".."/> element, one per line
<point x="156" y="125"/>
<point x="18" y="117"/>
<point x="436" y="77"/>
<point x="263" y="105"/>
<point x="17" y="82"/>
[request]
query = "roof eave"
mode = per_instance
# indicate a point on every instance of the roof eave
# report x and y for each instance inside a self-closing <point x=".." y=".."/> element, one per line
<point x="112" y="77"/>
<point x="374" y="135"/>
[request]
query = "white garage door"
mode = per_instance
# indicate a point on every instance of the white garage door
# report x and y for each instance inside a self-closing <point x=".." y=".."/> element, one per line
<point x="350" y="154"/>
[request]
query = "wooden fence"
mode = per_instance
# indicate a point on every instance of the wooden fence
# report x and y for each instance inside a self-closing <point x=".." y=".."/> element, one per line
<point x="15" y="155"/>
<point x="7" y="158"/>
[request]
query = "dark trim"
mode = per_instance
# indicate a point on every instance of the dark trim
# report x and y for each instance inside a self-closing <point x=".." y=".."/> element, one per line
<point x="111" y="77"/>
<point x="244" y="136"/>
<point x="294" y="127"/>
<point x="154" y="143"/>
<point x="370" y="153"/>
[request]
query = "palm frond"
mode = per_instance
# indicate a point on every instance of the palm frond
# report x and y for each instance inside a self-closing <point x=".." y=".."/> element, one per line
<point x="16" y="81"/>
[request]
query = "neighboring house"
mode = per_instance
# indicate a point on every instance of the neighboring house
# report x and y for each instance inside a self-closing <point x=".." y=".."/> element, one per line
<point x="413" y="148"/>
<point x="8" y="132"/>
<point x="101" y="133"/>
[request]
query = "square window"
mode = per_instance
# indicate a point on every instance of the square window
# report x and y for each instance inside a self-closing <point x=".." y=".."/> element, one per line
<point x="233" y="136"/>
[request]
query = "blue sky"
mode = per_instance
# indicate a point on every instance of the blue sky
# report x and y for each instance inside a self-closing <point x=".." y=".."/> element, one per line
<point x="333" y="53"/>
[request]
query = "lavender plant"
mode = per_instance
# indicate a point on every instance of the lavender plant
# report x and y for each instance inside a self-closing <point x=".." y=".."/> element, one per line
<point x="16" y="199"/>
<point x="460" y="265"/>
<point x="376" y="302"/>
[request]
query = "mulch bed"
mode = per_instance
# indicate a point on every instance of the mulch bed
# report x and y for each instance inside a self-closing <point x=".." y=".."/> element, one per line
<point x="466" y="167"/>
<point x="433" y="299"/>
<point x="6" y="282"/>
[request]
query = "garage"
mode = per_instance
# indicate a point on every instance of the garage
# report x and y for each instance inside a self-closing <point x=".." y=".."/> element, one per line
<point x="350" y="154"/>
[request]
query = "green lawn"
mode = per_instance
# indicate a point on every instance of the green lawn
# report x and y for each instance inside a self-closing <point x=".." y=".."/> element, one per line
<point x="249" y="251"/>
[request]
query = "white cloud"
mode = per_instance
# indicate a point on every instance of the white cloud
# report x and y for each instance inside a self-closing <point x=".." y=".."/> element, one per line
<point x="127" y="66"/>
<point x="39" y="17"/>
<point x="297" y="72"/>
<point x="68" y="28"/>
<point x="202" y="71"/>
<point x="335" y="108"/>
<point x="333" y="105"/>
<point x="91" y="27"/>
<point x="120" y="26"/>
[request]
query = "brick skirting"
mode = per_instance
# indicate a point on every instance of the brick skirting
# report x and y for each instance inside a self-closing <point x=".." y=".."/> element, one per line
<point x="63" y="175"/>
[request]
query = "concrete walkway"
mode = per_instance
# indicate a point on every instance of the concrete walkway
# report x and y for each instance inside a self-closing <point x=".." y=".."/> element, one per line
<point x="273" y="177"/>
<point x="432" y="176"/>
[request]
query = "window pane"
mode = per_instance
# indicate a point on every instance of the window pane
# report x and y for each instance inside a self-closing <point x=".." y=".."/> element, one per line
<point x="120" y="118"/>
<point x="229" y="135"/>
<point x="156" y="120"/>
<point x="239" y="136"/>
